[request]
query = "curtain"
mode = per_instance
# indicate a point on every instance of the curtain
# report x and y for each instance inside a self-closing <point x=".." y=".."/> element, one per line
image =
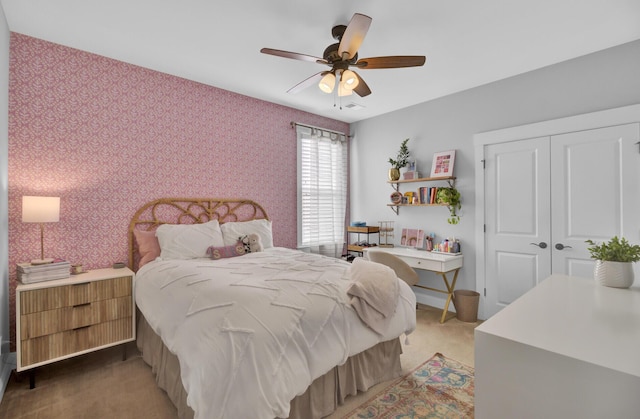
<point x="322" y="190"/>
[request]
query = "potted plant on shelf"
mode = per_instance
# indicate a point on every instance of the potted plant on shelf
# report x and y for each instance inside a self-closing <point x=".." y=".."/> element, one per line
<point x="614" y="262"/>
<point x="450" y="197"/>
<point x="400" y="161"/>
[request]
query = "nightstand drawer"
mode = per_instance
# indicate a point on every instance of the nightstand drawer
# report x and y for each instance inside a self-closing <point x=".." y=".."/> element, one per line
<point x="73" y="295"/>
<point x="68" y="318"/>
<point x="57" y="345"/>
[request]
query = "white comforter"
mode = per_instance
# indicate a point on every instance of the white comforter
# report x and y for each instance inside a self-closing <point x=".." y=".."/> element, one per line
<point x="252" y="332"/>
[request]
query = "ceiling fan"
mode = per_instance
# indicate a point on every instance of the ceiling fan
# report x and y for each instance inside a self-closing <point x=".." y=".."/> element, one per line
<point x="342" y="55"/>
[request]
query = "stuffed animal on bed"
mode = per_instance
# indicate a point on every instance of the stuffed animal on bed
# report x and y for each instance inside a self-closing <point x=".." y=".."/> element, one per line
<point x="226" y="251"/>
<point x="245" y="242"/>
<point x="255" y="244"/>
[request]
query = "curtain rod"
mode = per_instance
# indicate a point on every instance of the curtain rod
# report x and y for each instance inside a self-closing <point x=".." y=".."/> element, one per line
<point x="293" y="125"/>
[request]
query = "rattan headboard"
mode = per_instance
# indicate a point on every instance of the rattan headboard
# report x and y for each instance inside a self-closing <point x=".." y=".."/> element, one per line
<point x="189" y="211"/>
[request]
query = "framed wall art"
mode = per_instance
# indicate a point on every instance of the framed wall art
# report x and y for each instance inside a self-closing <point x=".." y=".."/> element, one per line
<point x="443" y="162"/>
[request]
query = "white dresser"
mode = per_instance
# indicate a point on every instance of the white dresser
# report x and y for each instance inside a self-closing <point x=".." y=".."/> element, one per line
<point x="568" y="348"/>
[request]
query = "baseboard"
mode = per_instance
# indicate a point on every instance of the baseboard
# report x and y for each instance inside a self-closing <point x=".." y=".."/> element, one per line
<point x="7" y="364"/>
<point x="432" y="301"/>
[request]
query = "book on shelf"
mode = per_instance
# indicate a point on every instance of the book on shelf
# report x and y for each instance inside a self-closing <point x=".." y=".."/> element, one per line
<point x="28" y="273"/>
<point x="428" y="194"/>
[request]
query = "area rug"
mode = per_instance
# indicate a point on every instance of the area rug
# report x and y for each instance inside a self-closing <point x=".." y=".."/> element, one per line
<point x="439" y="388"/>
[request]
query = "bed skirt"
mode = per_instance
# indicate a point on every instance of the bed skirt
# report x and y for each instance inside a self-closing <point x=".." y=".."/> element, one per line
<point x="359" y="373"/>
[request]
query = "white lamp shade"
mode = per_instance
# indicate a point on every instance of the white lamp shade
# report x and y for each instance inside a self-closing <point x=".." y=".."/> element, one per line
<point x="40" y="209"/>
<point x="349" y="79"/>
<point x="343" y="90"/>
<point x="327" y="82"/>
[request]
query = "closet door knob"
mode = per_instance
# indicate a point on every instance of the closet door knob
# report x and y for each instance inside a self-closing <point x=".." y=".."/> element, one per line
<point x="541" y="245"/>
<point x="561" y="246"/>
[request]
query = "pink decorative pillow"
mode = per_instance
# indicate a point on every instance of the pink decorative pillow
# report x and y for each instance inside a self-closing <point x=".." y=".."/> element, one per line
<point x="237" y="249"/>
<point x="148" y="246"/>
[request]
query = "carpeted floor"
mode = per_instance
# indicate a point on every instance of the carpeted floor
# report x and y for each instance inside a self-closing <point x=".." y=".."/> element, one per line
<point x="101" y="385"/>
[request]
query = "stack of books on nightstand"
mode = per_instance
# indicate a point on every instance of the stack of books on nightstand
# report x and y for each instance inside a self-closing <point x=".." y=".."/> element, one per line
<point x="28" y="273"/>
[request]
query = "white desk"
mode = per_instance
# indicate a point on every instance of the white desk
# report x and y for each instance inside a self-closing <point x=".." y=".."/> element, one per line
<point x="568" y="348"/>
<point x="439" y="263"/>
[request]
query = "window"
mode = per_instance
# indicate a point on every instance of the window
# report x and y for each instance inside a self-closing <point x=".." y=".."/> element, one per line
<point x="322" y="190"/>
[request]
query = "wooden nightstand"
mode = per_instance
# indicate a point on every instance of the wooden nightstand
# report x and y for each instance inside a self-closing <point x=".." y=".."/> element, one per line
<point x="60" y="319"/>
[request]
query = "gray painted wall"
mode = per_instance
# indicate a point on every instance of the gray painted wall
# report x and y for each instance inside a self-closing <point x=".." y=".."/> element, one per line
<point x="603" y="80"/>
<point x="4" y="229"/>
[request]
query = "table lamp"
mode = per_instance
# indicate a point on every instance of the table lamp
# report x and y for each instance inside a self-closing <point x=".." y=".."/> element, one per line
<point x="41" y="209"/>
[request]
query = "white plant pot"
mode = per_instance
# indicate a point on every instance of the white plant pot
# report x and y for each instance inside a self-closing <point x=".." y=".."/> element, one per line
<point x="613" y="274"/>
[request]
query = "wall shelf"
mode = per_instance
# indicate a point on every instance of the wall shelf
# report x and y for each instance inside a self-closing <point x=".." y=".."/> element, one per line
<point x="396" y="183"/>
<point x="451" y="180"/>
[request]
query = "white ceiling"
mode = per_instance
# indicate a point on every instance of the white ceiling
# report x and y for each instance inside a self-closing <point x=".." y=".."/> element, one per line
<point x="467" y="42"/>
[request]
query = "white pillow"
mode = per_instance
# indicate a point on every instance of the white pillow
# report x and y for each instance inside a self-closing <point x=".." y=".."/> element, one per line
<point x="231" y="231"/>
<point x="188" y="241"/>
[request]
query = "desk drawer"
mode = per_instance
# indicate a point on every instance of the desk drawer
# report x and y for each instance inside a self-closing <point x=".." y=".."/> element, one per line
<point x="430" y="265"/>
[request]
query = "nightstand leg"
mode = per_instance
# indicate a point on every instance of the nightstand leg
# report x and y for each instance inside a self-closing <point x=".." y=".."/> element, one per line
<point x="124" y="352"/>
<point x="32" y="379"/>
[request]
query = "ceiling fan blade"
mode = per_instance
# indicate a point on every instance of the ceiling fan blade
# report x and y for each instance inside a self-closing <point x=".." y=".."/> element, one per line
<point x="361" y="89"/>
<point x="397" y="61"/>
<point x="354" y="35"/>
<point x="293" y="55"/>
<point x="315" y="79"/>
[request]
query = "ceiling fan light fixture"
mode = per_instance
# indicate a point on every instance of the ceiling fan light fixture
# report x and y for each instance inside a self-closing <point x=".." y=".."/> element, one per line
<point x="343" y="90"/>
<point x="327" y="82"/>
<point x="339" y="56"/>
<point x="349" y="79"/>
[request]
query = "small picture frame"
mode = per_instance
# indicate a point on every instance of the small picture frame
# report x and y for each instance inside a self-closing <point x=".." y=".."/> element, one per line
<point x="411" y="166"/>
<point x="443" y="163"/>
<point x="412" y="237"/>
<point x="410" y="175"/>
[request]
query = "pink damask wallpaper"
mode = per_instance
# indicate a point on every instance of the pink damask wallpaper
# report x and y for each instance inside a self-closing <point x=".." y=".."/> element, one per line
<point x="106" y="137"/>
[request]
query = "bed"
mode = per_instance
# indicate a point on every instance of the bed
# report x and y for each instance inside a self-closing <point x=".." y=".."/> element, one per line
<point x="265" y="334"/>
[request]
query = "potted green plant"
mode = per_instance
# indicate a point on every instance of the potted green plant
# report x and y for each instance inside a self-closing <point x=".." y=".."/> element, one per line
<point x="614" y="261"/>
<point x="399" y="162"/>
<point x="450" y="197"/>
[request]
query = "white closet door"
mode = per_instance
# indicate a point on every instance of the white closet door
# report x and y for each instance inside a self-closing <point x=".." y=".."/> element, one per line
<point x="517" y="219"/>
<point x="556" y="192"/>
<point x="595" y="193"/>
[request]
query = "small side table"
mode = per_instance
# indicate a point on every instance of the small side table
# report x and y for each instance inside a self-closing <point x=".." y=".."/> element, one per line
<point x="367" y="230"/>
<point x="63" y="318"/>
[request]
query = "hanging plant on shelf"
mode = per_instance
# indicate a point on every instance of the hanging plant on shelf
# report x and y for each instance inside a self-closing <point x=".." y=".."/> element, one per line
<point x="451" y="198"/>
<point x="399" y="162"/>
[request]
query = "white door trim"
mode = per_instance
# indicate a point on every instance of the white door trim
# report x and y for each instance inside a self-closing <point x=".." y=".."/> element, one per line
<point x="616" y="116"/>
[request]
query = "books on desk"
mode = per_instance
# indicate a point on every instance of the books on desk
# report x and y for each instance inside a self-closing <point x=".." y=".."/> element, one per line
<point x="29" y="273"/>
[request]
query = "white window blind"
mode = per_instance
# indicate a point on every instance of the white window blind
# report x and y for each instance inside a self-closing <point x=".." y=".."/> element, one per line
<point x="322" y="190"/>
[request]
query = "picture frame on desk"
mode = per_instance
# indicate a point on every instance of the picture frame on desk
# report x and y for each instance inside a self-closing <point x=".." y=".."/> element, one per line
<point x="443" y="163"/>
<point x="412" y="237"/>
